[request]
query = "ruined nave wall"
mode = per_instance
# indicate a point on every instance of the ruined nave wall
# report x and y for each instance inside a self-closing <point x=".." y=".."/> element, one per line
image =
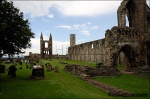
<point x="90" y="51"/>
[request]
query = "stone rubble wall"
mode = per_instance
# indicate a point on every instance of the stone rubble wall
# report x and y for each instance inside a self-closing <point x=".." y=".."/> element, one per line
<point x="85" y="72"/>
<point x="90" y="71"/>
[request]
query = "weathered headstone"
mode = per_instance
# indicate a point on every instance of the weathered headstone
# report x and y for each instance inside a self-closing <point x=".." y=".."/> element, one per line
<point x="2" y="68"/>
<point x="49" y="67"/>
<point x="27" y="66"/>
<point x="56" y="68"/>
<point x="7" y="61"/>
<point x="14" y="61"/>
<point x="37" y="72"/>
<point x="12" y="71"/>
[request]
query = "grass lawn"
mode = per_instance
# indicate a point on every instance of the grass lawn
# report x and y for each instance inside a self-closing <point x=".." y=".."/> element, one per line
<point x="138" y="85"/>
<point x="62" y="84"/>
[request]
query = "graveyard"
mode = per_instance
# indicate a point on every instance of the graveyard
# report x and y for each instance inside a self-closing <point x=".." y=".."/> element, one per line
<point x="65" y="85"/>
<point x="114" y="67"/>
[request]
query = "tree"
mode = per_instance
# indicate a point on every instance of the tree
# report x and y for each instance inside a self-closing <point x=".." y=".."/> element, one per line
<point x="15" y="33"/>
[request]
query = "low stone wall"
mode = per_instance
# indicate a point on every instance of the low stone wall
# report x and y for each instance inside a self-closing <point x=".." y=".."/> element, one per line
<point x="90" y="72"/>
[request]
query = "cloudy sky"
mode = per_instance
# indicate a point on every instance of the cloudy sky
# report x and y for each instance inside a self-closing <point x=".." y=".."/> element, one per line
<point x="87" y="19"/>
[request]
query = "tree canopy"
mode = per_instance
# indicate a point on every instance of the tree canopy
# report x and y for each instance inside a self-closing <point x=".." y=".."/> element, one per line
<point x="15" y="33"/>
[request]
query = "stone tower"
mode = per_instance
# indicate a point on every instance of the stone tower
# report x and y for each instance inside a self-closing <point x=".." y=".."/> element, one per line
<point x="72" y="40"/>
<point x="46" y="51"/>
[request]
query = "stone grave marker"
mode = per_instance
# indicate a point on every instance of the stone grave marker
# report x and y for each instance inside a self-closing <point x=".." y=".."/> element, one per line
<point x="14" y="61"/>
<point x="12" y="71"/>
<point x="2" y="68"/>
<point x="56" y="68"/>
<point x="49" y="67"/>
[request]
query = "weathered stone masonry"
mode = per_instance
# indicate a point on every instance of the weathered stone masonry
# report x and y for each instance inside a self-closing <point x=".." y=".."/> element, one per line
<point x="90" y="51"/>
<point x="133" y="40"/>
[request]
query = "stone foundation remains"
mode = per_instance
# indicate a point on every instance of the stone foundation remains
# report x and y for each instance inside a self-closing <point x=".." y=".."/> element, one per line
<point x="87" y="71"/>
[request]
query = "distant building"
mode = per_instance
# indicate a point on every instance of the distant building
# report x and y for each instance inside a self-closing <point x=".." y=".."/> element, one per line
<point x="45" y="51"/>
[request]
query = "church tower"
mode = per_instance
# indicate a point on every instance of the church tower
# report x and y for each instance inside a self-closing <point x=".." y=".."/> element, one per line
<point x="72" y="40"/>
<point x="46" y="51"/>
<point x="41" y="46"/>
<point x="50" y="46"/>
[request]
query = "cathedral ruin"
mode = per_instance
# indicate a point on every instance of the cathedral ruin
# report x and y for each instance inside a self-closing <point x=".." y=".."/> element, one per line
<point x="45" y="49"/>
<point x="127" y="44"/>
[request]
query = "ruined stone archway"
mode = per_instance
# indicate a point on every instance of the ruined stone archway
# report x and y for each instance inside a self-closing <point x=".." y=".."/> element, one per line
<point x="130" y="54"/>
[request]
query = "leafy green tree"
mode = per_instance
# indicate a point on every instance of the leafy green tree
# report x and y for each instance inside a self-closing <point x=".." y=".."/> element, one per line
<point x="15" y="33"/>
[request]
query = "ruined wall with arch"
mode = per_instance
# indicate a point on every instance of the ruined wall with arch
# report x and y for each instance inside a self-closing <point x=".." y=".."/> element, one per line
<point x="132" y="40"/>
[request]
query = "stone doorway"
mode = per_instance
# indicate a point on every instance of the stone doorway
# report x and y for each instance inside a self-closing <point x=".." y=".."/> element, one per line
<point x="129" y="57"/>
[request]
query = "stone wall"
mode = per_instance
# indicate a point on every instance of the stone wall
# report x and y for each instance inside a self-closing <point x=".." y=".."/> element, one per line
<point x="90" y="51"/>
<point x="34" y="55"/>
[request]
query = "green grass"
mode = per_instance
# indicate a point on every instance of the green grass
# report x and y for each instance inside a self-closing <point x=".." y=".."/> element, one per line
<point x="121" y="67"/>
<point x="133" y="83"/>
<point x="63" y="85"/>
<point x="92" y="64"/>
<point x="55" y="85"/>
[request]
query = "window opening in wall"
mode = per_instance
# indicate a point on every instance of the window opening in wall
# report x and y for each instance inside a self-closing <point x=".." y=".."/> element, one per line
<point x="92" y="46"/>
<point x="46" y="45"/>
<point x="127" y="21"/>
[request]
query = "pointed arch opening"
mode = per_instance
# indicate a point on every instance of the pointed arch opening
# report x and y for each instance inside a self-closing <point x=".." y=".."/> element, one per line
<point x="127" y="20"/>
<point x="132" y="13"/>
<point x="46" y="44"/>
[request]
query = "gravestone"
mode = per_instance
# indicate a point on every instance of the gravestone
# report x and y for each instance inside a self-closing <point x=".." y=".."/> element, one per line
<point x="7" y="61"/>
<point x="12" y="71"/>
<point x="56" y="68"/>
<point x="14" y="61"/>
<point x="49" y="67"/>
<point x="2" y="68"/>
<point x="37" y="72"/>
<point x="27" y="66"/>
